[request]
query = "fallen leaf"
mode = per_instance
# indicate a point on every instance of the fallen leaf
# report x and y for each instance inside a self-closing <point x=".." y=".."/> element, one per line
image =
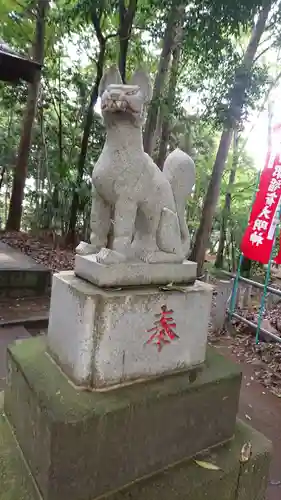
<point x="246" y="452"/>
<point x="171" y="286"/>
<point x="275" y="483"/>
<point x="207" y="465"/>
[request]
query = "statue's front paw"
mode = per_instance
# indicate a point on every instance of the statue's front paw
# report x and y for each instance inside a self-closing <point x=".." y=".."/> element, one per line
<point x="161" y="258"/>
<point x="85" y="249"/>
<point x="107" y="256"/>
<point x="146" y="257"/>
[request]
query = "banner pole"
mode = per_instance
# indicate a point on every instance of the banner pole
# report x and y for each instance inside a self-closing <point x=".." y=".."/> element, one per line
<point x="267" y="276"/>
<point x="241" y="257"/>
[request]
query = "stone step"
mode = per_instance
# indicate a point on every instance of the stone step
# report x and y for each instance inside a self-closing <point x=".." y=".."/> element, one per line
<point x="20" y="275"/>
<point x="80" y="444"/>
<point x="25" y="283"/>
<point x="31" y="323"/>
<point x="16" y="482"/>
<point x="189" y="481"/>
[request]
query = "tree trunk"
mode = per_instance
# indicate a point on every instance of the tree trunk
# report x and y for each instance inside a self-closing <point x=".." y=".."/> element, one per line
<point x="233" y="260"/>
<point x="84" y="145"/>
<point x="159" y="83"/>
<point x="220" y="253"/>
<point x="70" y="238"/>
<point x="246" y="268"/>
<point x="2" y="174"/>
<point x="126" y="18"/>
<point x="20" y="172"/>
<point x="227" y="204"/>
<point x="205" y="227"/>
<point x="237" y="96"/>
<point x="60" y="131"/>
<point x="166" y="125"/>
<point x="4" y="168"/>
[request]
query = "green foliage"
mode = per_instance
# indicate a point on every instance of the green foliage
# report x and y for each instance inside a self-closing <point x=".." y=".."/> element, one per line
<point x="210" y="56"/>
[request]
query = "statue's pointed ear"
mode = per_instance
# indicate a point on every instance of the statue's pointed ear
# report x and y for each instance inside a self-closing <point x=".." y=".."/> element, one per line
<point x="142" y="79"/>
<point x="112" y="75"/>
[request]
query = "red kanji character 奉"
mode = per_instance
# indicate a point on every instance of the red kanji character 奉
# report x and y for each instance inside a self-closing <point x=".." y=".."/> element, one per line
<point x="163" y="331"/>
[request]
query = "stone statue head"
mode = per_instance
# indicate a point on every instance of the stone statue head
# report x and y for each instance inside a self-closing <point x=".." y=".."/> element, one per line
<point x="120" y="100"/>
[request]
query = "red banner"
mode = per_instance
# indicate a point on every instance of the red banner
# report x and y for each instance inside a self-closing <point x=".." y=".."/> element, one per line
<point x="259" y="236"/>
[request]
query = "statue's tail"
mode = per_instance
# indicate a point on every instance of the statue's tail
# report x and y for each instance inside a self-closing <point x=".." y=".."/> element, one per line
<point x="179" y="169"/>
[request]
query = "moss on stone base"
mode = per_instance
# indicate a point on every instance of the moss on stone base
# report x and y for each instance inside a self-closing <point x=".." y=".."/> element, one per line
<point x="71" y="404"/>
<point x="102" y="441"/>
<point x="185" y="481"/>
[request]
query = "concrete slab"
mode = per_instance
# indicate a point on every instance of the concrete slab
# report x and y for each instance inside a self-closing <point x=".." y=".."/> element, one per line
<point x="20" y="275"/>
<point x="10" y="258"/>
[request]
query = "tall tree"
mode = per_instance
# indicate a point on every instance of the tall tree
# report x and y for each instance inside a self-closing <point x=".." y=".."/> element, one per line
<point x="126" y="18"/>
<point x="236" y="101"/>
<point x="227" y="204"/>
<point x="169" y="40"/>
<point x="20" y="171"/>
<point x="98" y="14"/>
<point x="166" y="124"/>
<point x="96" y="17"/>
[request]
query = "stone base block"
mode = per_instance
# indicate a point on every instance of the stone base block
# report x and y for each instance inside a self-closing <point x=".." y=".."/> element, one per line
<point x="80" y="445"/>
<point x="133" y="273"/>
<point x="181" y="482"/>
<point x="188" y="481"/>
<point x="103" y="338"/>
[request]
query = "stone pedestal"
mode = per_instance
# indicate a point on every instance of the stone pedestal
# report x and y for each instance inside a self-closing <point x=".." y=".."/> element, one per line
<point x="119" y="398"/>
<point x="133" y="273"/>
<point x="101" y="338"/>
<point x="130" y="443"/>
<point x="181" y="482"/>
<point x="82" y="444"/>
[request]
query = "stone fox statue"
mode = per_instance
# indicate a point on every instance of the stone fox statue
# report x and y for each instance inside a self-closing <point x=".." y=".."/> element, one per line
<point x="141" y="206"/>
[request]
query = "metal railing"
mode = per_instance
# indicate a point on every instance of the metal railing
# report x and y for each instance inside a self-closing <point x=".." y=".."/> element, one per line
<point x="247" y="322"/>
<point x="255" y="284"/>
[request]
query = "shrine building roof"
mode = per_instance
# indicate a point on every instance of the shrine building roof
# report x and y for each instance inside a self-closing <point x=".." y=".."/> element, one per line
<point x="14" y="67"/>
